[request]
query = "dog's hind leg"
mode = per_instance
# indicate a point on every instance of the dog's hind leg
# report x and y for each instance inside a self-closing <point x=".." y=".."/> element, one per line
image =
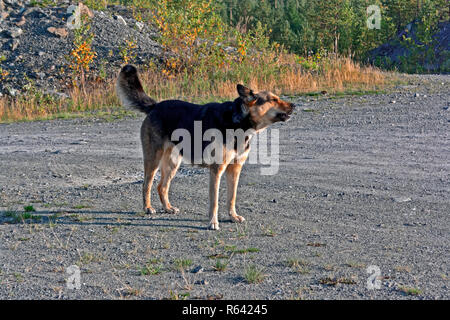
<point x="233" y="172"/>
<point x="152" y="151"/>
<point x="170" y="163"/>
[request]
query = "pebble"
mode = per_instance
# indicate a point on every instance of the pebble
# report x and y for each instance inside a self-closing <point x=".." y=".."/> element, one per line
<point x="60" y="32"/>
<point x="402" y="199"/>
<point x="14" y="32"/>
<point x="121" y="19"/>
<point x="198" y="269"/>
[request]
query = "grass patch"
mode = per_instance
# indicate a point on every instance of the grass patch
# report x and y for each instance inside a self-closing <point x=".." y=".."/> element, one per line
<point x="82" y="206"/>
<point x="299" y="266"/>
<point x="29" y="209"/>
<point x="21" y="217"/>
<point x="182" y="263"/>
<point x="410" y="291"/>
<point x="253" y="274"/>
<point x="220" y="265"/>
<point x="234" y="249"/>
<point x="151" y="269"/>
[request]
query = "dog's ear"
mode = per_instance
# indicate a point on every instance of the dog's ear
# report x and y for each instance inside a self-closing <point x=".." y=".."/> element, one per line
<point x="245" y="93"/>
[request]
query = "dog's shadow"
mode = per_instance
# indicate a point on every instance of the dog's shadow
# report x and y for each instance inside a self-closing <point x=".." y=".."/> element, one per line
<point x="101" y="218"/>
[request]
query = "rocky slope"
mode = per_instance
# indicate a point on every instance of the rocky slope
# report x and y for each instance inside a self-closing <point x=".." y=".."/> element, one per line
<point x="35" y="42"/>
<point x="432" y="58"/>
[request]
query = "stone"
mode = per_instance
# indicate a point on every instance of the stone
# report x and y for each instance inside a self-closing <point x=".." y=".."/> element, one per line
<point x="121" y="20"/>
<point x="14" y="32"/>
<point x="139" y="25"/>
<point x="21" y="22"/>
<point x="14" y="44"/>
<point x="85" y="10"/>
<point x="198" y="269"/>
<point x="60" y="32"/>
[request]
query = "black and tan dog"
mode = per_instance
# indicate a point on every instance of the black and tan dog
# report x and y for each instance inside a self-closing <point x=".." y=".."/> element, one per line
<point x="252" y="110"/>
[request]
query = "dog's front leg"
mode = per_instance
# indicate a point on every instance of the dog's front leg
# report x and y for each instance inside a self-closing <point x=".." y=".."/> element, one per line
<point x="233" y="172"/>
<point x="215" y="173"/>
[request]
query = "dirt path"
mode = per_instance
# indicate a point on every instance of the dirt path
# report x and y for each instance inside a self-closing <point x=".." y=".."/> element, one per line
<point x="362" y="181"/>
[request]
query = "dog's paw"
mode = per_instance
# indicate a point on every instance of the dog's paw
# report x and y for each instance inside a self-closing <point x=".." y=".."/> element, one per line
<point x="213" y="226"/>
<point x="149" y="210"/>
<point x="172" y="210"/>
<point x="237" y="218"/>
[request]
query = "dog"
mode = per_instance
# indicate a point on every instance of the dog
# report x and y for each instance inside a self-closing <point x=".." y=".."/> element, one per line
<point x="250" y="112"/>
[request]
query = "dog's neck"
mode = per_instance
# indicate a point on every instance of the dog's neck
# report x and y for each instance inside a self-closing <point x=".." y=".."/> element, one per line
<point x="244" y="122"/>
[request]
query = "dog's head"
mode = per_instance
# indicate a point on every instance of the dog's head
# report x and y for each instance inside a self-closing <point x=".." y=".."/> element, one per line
<point x="264" y="107"/>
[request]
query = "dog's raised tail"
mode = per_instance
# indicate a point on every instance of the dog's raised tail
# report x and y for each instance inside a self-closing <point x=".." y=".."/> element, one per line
<point x="130" y="92"/>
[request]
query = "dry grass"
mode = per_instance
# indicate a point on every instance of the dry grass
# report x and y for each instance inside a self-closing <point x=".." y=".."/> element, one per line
<point x="337" y="75"/>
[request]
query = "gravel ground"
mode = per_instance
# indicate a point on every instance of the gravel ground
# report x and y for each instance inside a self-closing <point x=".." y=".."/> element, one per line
<point x="363" y="180"/>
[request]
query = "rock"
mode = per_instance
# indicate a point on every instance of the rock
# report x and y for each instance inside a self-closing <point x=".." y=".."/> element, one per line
<point x="85" y="10"/>
<point x="121" y="19"/>
<point x="12" y="92"/>
<point x="40" y="75"/>
<point x="198" y="269"/>
<point x="14" y="32"/>
<point x="60" y="32"/>
<point x="4" y="15"/>
<point x="140" y="25"/>
<point x="393" y="53"/>
<point x="2" y="5"/>
<point x="21" y="22"/>
<point x="14" y="44"/>
<point x="401" y="199"/>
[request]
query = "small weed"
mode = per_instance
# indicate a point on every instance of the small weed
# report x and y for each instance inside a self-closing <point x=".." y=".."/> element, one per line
<point x="151" y="269"/>
<point x="220" y="265"/>
<point x="174" y="295"/>
<point x="18" y="217"/>
<point x="129" y="291"/>
<point x="410" y="291"/>
<point x="18" y="277"/>
<point x="298" y="266"/>
<point x="29" y="209"/>
<point x="182" y="263"/>
<point x="87" y="257"/>
<point x="82" y="206"/>
<point x="253" y="274"/>
<point x="269" y="232"/>
<point x="233" y="249"/>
